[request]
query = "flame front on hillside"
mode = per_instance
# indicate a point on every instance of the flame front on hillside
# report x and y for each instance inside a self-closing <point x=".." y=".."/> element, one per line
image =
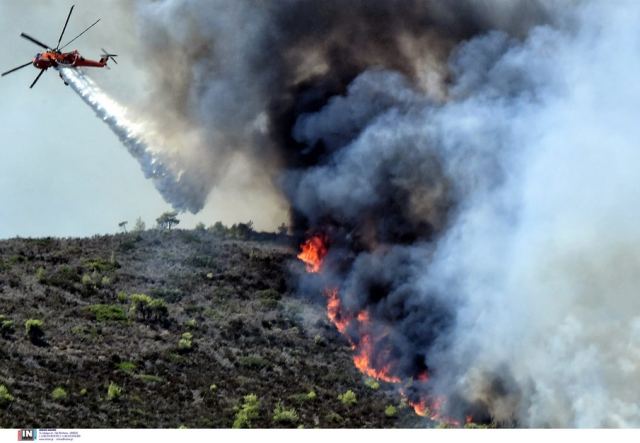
<point x="313" y="252"/>
<point x="367" y="338"/>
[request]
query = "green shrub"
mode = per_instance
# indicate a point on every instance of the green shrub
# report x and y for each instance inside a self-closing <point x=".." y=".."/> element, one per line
<point x="348" y="398"/>
<point x="59" y="394"/>
<point x="390" y="411"/>
<point x="114" y="392"/>
<point x="192" y="323"/>
<point x="127" y="366"/>
<point x="186" y="341"/>
<point x="147" y="308"/>
<point x="158" y="310"/>
<point x="372" y="383"/>
<point x="122" y="297"/>
<point x="107" y="312"/>
<point x="282" y="415"/>
<point x="334" y="418"/>
<point x="249" y="411"/>
<point x="86" y="280"/>
<point x="41" y="275"/>
<point x="105" y="281"/>
<point x="100" y="265"/>
<point x="252" y="361"/>
<point x="5" y="396"/>
<point x="33" y="329"/>
<point x="139" y="300"/>
<point x="304" y="397"/>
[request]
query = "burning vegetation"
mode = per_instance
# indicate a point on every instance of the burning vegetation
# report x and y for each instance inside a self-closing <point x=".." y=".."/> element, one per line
<point x="313" y="252"/>
<point x="372" y="353"/>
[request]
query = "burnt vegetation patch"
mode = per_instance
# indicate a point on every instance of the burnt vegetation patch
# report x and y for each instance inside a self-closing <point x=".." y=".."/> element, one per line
<point x="169" y="329"/>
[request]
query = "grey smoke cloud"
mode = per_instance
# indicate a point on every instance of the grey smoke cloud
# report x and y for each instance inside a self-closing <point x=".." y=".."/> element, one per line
<point x="523" y="303"/>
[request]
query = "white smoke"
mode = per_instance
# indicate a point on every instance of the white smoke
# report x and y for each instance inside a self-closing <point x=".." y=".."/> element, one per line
<point x="548" y="261"/>
<point x="142" y="142"/>
<point x="541" y="262"/>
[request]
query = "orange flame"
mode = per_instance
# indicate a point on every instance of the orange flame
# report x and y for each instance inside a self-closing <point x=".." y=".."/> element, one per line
<point x="419" y="407"/>
<point x="334" y="312"/>
<point x="313" y="252"/>
<point x="431" y="409"/>
<point x="362" y="361"/>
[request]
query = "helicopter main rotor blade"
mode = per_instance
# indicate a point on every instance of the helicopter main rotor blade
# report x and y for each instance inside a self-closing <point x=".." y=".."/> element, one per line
<point x="33" y="40"/>
<point x="15" y="69"/>
<point x="65" y="27"/>
<point x="77" y="36"/>
<point x="37" y="78"/>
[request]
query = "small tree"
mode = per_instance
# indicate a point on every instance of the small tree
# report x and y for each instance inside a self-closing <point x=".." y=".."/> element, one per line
<point x="243" y="230"/>
<point x="123" y="225"/>
<point x="140" y="226"/>
<point x="168" y="220"/>
<point x="200" y="227"/>
<point x="113" y="392"/>
<point x="218" y="229"/>
<point x="283" y="230"/>
<point x="248" y="412"/>
<point x="147" y="308"/>
<point x="348" y="398"/>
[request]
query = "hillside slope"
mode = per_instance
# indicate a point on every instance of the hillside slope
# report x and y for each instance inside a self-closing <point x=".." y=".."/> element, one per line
<point x="219" y="324"/>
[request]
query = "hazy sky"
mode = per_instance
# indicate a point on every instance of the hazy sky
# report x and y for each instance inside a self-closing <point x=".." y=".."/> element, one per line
<point x="62" y="171"/>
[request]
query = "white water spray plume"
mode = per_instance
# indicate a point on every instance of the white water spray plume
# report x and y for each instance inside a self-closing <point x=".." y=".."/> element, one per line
<point x="173" y="184"/>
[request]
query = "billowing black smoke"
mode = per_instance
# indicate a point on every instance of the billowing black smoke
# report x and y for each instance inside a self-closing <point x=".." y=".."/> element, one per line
<point x="449" y="153"/>
<point x="243" y="73"/>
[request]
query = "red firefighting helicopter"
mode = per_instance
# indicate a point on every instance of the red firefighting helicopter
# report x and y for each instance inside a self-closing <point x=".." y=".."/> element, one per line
<point x="55" y="58"/>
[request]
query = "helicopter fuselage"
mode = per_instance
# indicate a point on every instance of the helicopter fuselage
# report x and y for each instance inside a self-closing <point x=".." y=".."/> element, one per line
<point x="73" y="59"/>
